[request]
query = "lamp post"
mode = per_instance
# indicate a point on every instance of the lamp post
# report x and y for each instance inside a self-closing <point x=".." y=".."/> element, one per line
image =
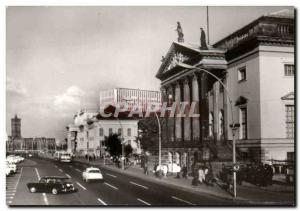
<point x="233" y="125"/>
<point x="159" y="139"/>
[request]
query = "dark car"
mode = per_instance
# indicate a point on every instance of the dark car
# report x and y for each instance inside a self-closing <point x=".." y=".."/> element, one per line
<point x="52" y="184"/>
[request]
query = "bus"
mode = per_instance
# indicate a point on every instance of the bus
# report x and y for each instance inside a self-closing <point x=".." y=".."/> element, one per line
<point x="63" y="156"/>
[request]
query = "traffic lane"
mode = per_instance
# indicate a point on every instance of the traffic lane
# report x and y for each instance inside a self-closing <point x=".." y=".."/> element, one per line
<point x="22" y="194"/>
<point x="172" y="196"/>
<point x="105" y="191"/>
<point x="159" y="194"/>
<point x="79" y="198"/>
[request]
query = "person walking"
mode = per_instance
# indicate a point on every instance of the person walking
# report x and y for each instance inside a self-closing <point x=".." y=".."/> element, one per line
<point x="201" y="175"/>
<point x="184" y="172"/>
<point x="146" y="168"/>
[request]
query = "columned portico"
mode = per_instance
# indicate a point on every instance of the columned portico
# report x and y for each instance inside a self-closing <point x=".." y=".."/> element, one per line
<point x="188" y="86"/>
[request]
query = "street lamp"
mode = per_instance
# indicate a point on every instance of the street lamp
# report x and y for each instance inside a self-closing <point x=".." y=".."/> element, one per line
<point x="233" y="125"/>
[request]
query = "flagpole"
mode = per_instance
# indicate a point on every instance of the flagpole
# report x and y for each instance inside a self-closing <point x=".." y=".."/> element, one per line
<point x="207" y="24"/>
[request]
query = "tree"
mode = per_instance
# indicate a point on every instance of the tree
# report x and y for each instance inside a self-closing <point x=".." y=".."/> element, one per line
<point x="128" y="150"/>
<point x="113" y="144"/>
<point x="148" y="136"/>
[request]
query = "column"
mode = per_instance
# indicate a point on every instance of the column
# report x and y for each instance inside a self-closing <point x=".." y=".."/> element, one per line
<point x="171" y="120"/>
<point x="164" y="120"/>
<point x="187" y="119"/>
<point x="178" y="120"/>
<point x="195" y="98"/>
<point x="204" y="112"/>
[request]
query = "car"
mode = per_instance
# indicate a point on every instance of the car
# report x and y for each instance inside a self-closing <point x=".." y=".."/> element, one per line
<point x="11" y="167"/>
<point x="92" y="173"/>
<point x="52" y="184"/>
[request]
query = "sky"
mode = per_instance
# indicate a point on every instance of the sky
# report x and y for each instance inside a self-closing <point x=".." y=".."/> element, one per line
<point x="59" y="58"/>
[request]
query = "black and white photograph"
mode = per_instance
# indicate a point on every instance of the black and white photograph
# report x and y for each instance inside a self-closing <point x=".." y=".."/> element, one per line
<point x="150" y="106"/>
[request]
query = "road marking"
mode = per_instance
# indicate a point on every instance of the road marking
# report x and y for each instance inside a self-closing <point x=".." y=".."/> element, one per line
<point x="10" y="191"/>
<point x="60" y="170"/>
<point x="80" y="185"/>
<point x="10" y="194"/>
<point x="143" y="201"/>
<point x="78" y="170"/>
<point x="45" y="199"/>
<point x="138" y="185"/>
<point x="44" y="195"/>
<point x="182" y="200"/>
<point x="9" y="202"/>
<point x="68" y="175"/>
<point x="111" y="186"/>
<point x="101" y="201"/>
<point x="111" y="175"/>
<point x="9" y="197"/>
<point x="37" y="173"/>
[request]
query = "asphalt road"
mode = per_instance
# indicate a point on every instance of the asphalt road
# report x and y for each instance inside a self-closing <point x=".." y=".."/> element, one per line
<point x="117" y="189"/>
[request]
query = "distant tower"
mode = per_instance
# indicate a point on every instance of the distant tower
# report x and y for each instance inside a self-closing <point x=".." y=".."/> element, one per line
<point x="16" y="127"/>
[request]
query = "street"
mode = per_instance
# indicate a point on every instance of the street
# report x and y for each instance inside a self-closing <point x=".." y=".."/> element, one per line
<point x="116" y="190"/>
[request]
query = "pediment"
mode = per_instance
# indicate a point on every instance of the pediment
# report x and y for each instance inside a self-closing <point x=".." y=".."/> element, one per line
<point x="289" y="96"/>
<point x="178" y="53"/>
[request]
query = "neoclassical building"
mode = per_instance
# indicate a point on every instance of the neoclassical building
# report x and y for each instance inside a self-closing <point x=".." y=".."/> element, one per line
<point x="256" y="65"/>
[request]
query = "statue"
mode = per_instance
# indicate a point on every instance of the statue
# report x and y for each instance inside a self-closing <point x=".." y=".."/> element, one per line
<point x="203" y="44"/>
<point x="180" y="32"/>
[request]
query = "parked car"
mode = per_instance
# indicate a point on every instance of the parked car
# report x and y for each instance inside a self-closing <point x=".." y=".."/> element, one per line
<point x="11" y="167"/>
<point x="92" y="173"/>
<point x="52" y="184"/>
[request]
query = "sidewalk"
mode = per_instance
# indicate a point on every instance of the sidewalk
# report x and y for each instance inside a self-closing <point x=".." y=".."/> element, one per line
<point x="247" y="193"/>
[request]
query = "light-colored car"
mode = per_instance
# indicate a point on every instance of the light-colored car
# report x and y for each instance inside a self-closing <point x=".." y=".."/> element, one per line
<point x="14" y="159"/>
<point x="12" y="167"/>
<point x="92" y="173"/>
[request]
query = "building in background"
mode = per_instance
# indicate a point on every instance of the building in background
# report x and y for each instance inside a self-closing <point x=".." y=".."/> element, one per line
<point x="17" y="143"/>
<point x="256" y="63"/>
<point x="87" y="134"/>
<point x="16" y="128"/>
<point x="132" y="97"/>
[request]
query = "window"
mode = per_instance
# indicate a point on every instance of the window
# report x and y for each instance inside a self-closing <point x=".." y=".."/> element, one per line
<point x="242" y="74"/>
<point x="221" y="123"/>
<point x="110" y="131"/>
<point x="211" y="124"/>
<point x="120" y="131"/>
<point x="243" y="112"/>
<point x="101" y="132"/>
<point x="289" y="116"/>
<point x="128" y="131"/>
<point x="289" y="70"/>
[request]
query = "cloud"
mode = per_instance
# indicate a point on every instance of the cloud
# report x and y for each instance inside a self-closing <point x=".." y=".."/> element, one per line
<point x="69" y="99"/>
<point x="15" y="88"/>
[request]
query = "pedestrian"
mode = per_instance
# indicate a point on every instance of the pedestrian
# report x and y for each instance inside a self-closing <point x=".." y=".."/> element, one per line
<point x="178" y="172"/>
<point x="86" y="156"/>
<point x="201" y="175"/>
<point x="146" y="168"/>
<point x="165" y="170"/>
<point x="184" y="172"/>
<point x="155" y="169"/>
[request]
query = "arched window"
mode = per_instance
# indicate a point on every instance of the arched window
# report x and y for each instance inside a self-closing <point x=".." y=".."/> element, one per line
<point x="221" y="124"/>
<point x="211" y="124"/>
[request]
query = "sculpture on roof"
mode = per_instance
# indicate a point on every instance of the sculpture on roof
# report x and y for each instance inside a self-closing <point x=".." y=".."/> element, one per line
<point x="203" y="45"/>
<point x="180" y="32"/>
